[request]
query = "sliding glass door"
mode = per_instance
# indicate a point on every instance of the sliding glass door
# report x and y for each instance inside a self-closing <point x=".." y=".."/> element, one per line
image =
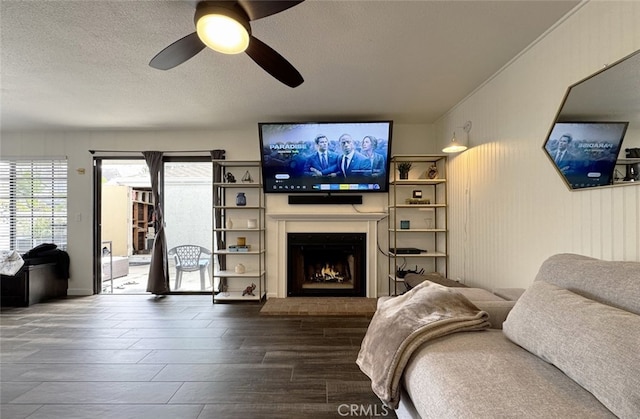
<point x="125" y="227"/>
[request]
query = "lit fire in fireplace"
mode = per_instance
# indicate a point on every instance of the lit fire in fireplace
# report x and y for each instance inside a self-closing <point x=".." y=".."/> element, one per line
<point x="330" y="274"/>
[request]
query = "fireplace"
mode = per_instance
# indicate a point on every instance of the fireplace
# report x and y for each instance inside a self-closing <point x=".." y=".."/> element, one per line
<point x="326" y="264"/>
<point x="311" y="221"/>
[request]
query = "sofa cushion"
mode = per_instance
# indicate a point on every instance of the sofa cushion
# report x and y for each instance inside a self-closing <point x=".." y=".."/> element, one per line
<point x="484" y="375"/>
<point x="594" y="344"/>
<point x="614" y="283"/>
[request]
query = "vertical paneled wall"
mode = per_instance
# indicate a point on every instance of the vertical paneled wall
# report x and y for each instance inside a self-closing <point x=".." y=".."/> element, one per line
<point x="509" y="208"/>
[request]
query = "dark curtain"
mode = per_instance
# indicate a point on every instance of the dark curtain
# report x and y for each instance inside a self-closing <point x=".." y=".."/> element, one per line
<point x="158" y="282"/>
<point x="217" y="201"/>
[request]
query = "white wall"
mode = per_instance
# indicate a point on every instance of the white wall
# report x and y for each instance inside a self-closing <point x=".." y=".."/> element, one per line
<point x="509" y="208"/>
<point x="240" y="143"/>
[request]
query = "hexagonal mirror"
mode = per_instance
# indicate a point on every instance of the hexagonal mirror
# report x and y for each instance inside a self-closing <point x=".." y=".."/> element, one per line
<point x="595" y="137"/>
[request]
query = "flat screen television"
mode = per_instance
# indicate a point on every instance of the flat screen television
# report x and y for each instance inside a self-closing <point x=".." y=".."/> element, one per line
<point x="325" y="157"/>
<point x="585" y="153"/>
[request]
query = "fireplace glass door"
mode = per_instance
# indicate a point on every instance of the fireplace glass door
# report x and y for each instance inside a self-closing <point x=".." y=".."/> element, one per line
<point x="326" y="264"/>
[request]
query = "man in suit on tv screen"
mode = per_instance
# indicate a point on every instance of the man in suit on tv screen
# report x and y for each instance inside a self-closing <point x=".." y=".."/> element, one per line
<point x="323" y="162"/>
<point x="352" y="163"/>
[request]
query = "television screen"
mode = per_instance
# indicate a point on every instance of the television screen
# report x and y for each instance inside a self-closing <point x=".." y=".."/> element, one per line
<point x="585" y="153"/>
<point x="325" y="157"/>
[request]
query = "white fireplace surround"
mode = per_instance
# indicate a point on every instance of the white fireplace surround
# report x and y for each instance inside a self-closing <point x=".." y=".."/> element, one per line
<point x="362" y="222"/>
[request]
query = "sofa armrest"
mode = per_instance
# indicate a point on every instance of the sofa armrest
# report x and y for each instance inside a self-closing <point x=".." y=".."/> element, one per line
<point x="497" y="310"/>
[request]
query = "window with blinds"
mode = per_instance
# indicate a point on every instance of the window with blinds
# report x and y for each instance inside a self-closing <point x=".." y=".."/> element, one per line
<point x="33" y="204"/>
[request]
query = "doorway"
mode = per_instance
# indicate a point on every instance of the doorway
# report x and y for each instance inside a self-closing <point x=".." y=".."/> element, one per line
<point x="125" y="230"/>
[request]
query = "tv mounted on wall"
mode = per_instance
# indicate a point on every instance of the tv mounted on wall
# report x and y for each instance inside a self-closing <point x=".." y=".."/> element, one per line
<point x="585" y="153"/>
<point x="325" y="157"/>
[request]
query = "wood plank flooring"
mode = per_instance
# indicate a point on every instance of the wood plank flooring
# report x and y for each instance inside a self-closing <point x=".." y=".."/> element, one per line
<point x="137" y="356"/>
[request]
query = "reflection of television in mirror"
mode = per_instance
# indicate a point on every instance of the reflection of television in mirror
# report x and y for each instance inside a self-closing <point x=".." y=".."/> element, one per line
<point x="585" y="153"/>
<point x="319" y="158"/>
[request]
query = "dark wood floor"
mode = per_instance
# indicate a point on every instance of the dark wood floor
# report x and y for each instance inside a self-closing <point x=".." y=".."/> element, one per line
<point x="135" y="356"/>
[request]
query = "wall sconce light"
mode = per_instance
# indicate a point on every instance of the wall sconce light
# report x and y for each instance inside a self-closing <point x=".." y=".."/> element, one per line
<point x="459" y="140"/>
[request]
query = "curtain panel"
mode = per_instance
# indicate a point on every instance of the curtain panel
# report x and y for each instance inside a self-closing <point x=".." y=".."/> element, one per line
<point x="158" y="282"/>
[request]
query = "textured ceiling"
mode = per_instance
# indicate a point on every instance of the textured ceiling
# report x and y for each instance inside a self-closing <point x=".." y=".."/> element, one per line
<point x="84" y="64"/>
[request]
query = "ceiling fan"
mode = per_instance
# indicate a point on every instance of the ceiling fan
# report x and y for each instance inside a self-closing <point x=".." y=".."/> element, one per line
<point x="224" y="26"/>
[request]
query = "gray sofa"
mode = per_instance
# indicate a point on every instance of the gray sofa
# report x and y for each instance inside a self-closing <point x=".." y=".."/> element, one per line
<point x="568" y="349"/>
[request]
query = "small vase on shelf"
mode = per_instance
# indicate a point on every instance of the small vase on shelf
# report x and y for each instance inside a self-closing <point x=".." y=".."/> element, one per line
<point x="228" y="223"/>
<point x="241" y="199"/>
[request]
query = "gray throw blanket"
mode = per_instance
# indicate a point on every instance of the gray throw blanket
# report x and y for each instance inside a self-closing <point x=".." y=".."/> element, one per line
<point x="401" y="324"/>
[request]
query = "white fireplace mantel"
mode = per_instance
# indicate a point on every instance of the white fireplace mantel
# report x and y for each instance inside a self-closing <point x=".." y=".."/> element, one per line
<point x="352" y="222"/>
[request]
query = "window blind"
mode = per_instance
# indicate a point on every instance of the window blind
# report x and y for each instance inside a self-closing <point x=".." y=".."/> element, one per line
<point x="33" y="203"/>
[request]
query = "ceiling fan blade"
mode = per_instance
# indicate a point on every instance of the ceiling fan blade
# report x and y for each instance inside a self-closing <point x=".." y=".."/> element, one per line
<point x="178" y="52"/>
<point x="273" y="63"/>
<point x="257" y="9"/>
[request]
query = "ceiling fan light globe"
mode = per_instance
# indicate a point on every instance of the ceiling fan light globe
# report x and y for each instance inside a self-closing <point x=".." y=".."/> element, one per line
<point x="222" y="33"/>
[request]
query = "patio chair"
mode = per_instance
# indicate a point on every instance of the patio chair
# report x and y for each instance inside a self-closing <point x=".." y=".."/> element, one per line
<point x="189" y="259"/>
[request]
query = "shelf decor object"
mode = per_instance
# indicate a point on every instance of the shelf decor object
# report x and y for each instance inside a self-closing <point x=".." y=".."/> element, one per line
<point x="432" y="172"/>
<point x="404" y="168"/>
<point x="632" y="169"/>
<point x="247" y="177"/>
